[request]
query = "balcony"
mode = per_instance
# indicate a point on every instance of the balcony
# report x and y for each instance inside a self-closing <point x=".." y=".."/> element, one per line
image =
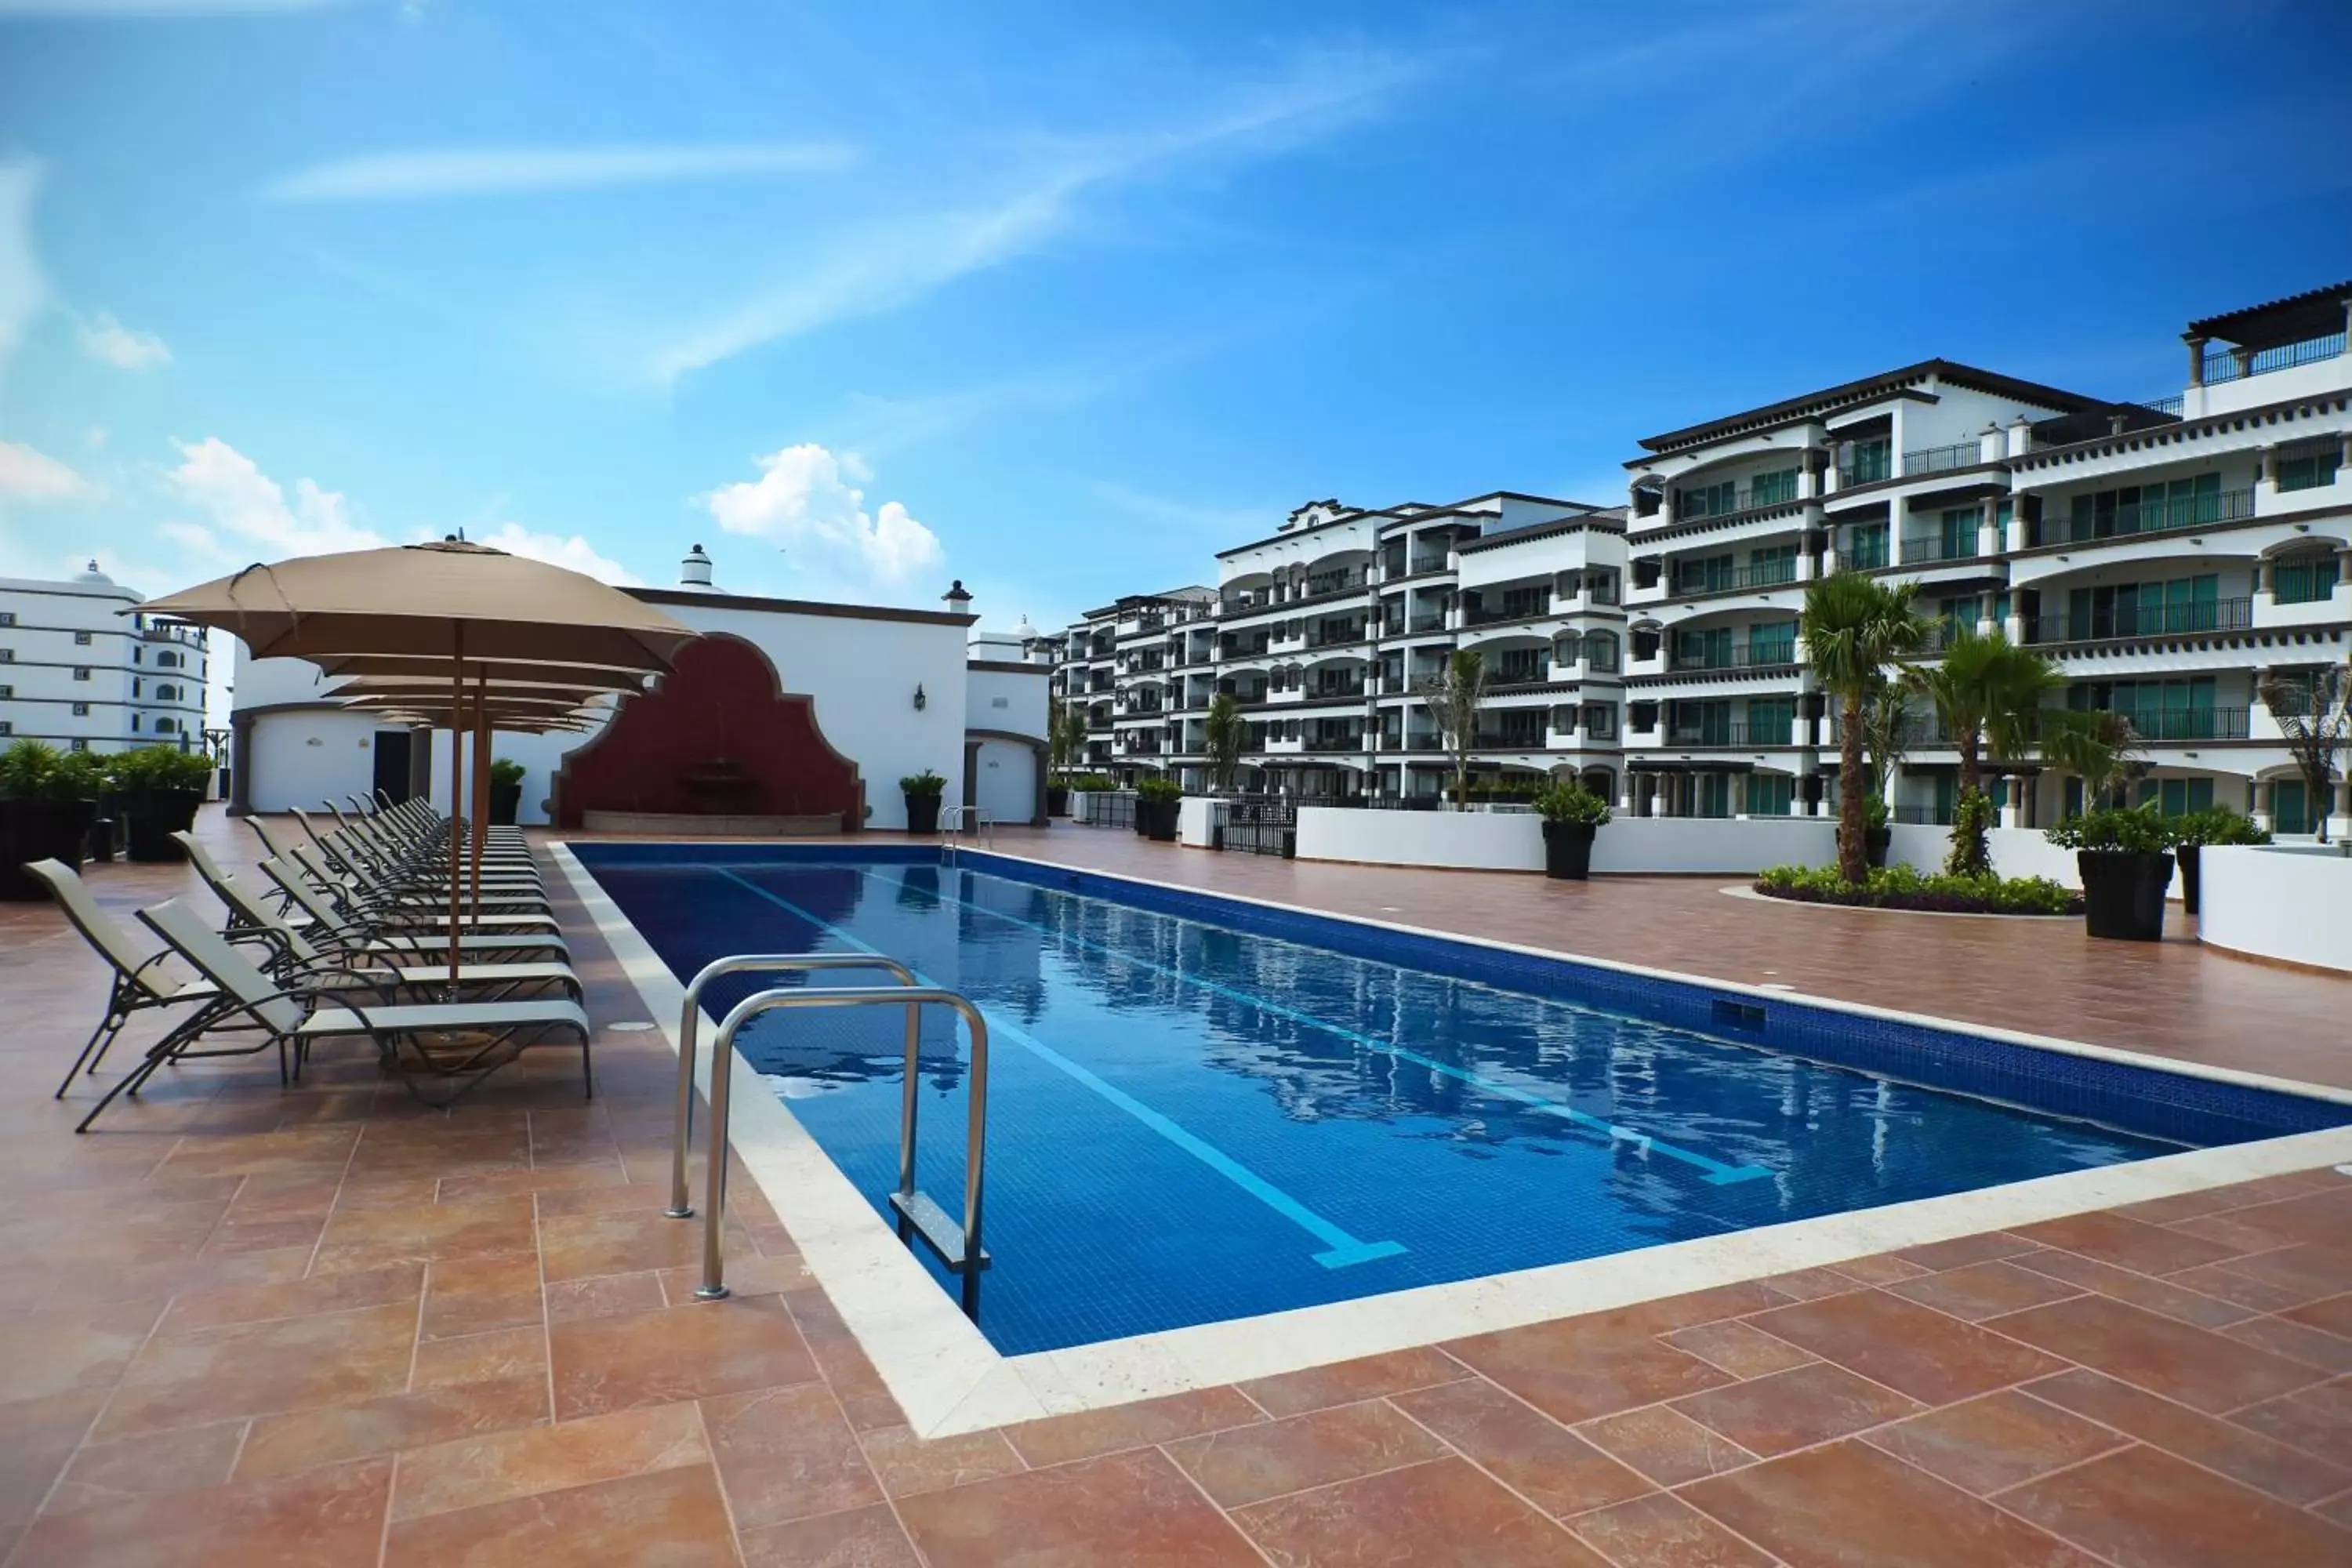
<point x="2236" y="365"/>
<point x="1752" y="656"/>
<point x="1920" y="548"/>
<point x="1733" y="732"/>
<point x="2190" y="724"/>
<point x="2129" y="518"/>
<point x="1942" y="459"/>
<point x="1727" y="501"/>
<point x="1335" y="742"/>
<point x="1419" y="625"/>
<point x="1336" y="637"/>
<point x="2151" y="621"/>
<point x="1732" y="579"/>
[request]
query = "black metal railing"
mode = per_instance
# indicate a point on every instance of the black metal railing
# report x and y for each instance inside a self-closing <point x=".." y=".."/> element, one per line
<point x="1526" y="610"/>
<point x="2190" y="723"/>
<point x="1733" y="732"/>
<point x="1418" y="624"/>
<point x="1918" y="547"/>
<point x="1939" y="460"/>
<point x="1335" y="742"/>
<point x="1259" y="824"/>
<point x="2143" y="621"/>
<point x="1739" y="655"/>
<point x="1732" y="579"/>
<point x="2143" y="517"/>
<point x="1718" y="502"/>
<point x="2234" y="364"/>
<point x="1108" y="809"/>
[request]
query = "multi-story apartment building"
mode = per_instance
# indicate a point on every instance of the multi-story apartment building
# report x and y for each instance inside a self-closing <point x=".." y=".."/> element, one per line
<point x="78" y="674"/>
<point x="2167" y="556"/>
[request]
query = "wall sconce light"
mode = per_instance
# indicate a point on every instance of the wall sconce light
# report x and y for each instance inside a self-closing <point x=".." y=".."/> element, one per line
<point x="922" y="702"/>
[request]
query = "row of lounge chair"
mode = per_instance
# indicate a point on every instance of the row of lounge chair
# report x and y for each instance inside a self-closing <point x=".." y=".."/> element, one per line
<point x="345" y="936"/>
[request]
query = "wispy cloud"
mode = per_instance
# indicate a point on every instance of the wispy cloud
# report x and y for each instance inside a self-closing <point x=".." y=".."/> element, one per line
<point x="108" y="341"/>
<point x="433" y="172"/>
<point x="896" y="257"/>
<point x="29" y="474"/>
<point x="23" y="289"/>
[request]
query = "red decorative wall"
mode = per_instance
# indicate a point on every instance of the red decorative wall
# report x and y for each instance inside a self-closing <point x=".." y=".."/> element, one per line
<point x="718" y="734"/>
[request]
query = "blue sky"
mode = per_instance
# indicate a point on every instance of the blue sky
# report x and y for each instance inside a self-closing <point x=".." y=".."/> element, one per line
<point x="1059" y="300"/>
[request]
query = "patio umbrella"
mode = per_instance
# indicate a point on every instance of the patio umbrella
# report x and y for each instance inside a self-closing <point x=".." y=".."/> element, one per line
<point x="452" y="602"/>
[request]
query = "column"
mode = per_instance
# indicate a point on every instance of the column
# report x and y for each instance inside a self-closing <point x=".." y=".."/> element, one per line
<point x="1739" y="796"/>
<point x="2270" y="467"/>
<point x="1625" y="792"/>
<point x="1989" y="539"/>
<point x="2261" y="812"/>
<point x="2339" y="824"/>
<point x="2195" y="357"/>
<point x="2012" y="811"/>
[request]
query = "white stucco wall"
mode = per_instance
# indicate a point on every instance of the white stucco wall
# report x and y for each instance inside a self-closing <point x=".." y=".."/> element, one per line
<point x="1007" y="786"/>
<point x="2016" y="852"/>
<point x="1513" y="841"/>
<point x="2280" y="901"/>
<point x="303" y="758"/>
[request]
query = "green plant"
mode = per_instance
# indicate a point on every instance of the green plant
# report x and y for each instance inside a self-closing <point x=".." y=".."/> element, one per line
<point x="2100" y="747"/>
<point x="1887" y="727"/>
<point x="1066" y="736"/>
<point x="1853" y="626"/>
<point x="1567" y="800"/>
<point x="159" y="770"/>
<point x="1157" y="788"/>
<point x="1874" y="814"/>
<point x="1973" y="815"/>
<point x="1904" y="887"/>
<point x="2216" y="824"/>
<point x="27" y="769"/>
<point x="1226" y="735"/>
<point x="1989" y="693"/>
<point x="2136" y="830"/>
<point x="2313" y="709"/>
<point x="1454" y="697"/>
<point x="503" y="772"/>
<point x="924" y="782"/>
<point x="1093" y="784"/>
<point x="80" y="775"/>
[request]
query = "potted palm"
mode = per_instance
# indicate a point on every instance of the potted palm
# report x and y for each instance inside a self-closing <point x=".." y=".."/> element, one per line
<point x="2193" y="830"/>
<point x="46" y="805"/>
<point x="1853" y="627"/>
<point x="1065" y="738"/>
<point x="1572" y="815"/>
<point x="160" y="789"/>
<point x="922" y="791"/>
<point x="1877" y="830"/>
<point x="505" y="791"/>
<point x="2123" y="856"/>
<point x="1158" y="800"/>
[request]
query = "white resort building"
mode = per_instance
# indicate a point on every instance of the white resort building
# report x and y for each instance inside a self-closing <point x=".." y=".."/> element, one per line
<point x="77" y="673"/>
<point x="2168" y="556"/>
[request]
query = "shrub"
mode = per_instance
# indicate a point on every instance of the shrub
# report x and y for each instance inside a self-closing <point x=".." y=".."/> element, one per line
<point x="1904" y="887"/>
<point x="158" y="770"/>
<point x="2216" y="824"/>
<point x="504" y="771"/>
<point x="1094" y="784"/>
<point x="28" y="770"/>
<point x="1155" y="788"/>
<point x="1568" y="801"/>
<point x="1875" y="814"/>
<point x="2139" y="830"/>
<point x="1972" y="815"/>
<point x="924" y="782"/>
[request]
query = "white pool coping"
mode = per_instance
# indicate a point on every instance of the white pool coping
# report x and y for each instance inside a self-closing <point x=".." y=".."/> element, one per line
<point x="947" y="1379"/>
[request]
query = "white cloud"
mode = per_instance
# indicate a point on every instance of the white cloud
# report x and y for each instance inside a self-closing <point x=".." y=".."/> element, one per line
<point x="501" y="171"/>
<point x="110" y="343"/>
<point x="890" y="261"/>
<point x="27" y="474"/>
<point x="567" y="551"/>
<point x="248" y="506"/>
<point x="193" y="537"/>
<point x="806" y="499"/>
<point x="23" y="291"/>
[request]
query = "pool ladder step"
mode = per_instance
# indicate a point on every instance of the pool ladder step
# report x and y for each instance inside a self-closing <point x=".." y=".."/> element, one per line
<point x="957" y="1244"/>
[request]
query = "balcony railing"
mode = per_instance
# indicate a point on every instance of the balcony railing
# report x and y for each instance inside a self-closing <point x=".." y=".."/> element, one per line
<point x="1420" y="624"/>
<point x="1335" y="742"/>
<point x="2190" y="724"/>
<point x="1339" y="688"/>
<point x="1919" y="547"/>
<point x="2144" y="621"/>
<point x="1690" y="505"/>
<point x="1508" y="741"/>
<point x="1336" y="637"/>
<point x="1734" y="733"/>
<point x="1527" y="611"/>
<point x="2171" y="405"/>
<point x="1737" y="657"/>
<point x="1729" y="580"/>
<point x="1940" y="459"/>
<point x="2144" y="516"/>
<point x="2234" y="364"/>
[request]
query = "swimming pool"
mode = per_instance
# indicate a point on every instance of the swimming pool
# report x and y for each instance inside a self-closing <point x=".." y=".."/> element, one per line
<point x="1203" y="1110"/>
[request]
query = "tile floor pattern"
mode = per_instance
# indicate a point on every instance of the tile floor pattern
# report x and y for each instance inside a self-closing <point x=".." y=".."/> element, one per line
<point x="242" y="1326"/>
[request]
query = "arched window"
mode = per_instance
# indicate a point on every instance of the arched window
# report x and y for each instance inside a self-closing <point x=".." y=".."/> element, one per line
<point x="166" y="726"/>
<point x="168" y="659"/>
<point x="167" y="694"/>
<point x="1601" y="650"/>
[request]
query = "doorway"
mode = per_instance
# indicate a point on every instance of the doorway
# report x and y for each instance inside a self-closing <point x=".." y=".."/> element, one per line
<point x="390" y="750"/>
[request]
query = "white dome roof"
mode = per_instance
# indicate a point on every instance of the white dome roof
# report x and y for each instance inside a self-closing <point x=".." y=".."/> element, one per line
<point x="92" y="577"/>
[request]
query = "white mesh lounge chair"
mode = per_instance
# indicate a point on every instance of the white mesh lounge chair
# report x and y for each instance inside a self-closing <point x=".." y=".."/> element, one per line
<point x="141" y="980"/>
<point x="326" y="920"/>
<point x="480" y="1036"/>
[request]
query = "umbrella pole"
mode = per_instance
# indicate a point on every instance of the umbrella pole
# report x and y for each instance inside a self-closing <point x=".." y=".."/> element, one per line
<point x="456" y="788"/>
<point x="481" y="777"/>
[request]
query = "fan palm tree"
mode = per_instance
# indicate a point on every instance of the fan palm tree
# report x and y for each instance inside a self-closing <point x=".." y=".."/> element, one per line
<point x="1853" y="626"/>
<point x="1989" y="692"/>
<point x="1226" y="735"/>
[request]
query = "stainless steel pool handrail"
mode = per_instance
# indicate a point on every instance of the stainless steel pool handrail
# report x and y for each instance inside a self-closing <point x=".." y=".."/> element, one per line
<point x="958" y="1246"/>
<point x="681" y="1205"/>
<point x="955" y="819"/>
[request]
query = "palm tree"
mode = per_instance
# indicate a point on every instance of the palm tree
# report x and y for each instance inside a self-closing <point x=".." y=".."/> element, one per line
<point x="1853" y="626"/>
<point x="1226" y="734"/>
<point x="1455" y="697"/>
<point x="2100" y="747"/>
<point x="1989" y="692"/>
<point x="1066" y="736"/>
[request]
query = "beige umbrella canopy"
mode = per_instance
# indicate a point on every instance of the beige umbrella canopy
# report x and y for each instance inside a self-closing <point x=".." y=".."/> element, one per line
<point x="465" y="607"/>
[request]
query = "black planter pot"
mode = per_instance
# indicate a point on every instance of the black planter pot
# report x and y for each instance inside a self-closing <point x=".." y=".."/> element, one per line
<point x="154" y="816"/>
<point x="506" y="800"/>
<point x="1057" y="800"/>
<point x="1156" y="819"/>
<point x="2191" y="866"/>
<point x="1567" y="850"/>
<point x="39" y="830"/>
<point x="923" y="814"/>
<point x="2123" y="893"/>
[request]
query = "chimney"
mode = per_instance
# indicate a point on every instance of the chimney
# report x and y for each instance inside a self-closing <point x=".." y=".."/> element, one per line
<point x="957" y="601"/>
<point x="694" y="571"/>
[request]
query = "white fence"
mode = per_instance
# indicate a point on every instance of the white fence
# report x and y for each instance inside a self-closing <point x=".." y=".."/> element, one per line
<point x="2290" y="902"/>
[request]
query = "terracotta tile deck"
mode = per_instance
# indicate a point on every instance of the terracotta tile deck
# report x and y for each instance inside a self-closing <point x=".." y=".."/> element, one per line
<point x="240" y="1324"/>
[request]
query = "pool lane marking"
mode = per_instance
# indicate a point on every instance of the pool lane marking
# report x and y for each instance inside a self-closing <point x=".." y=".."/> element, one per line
<point x="1714" y="1172"/>
<point x="1340" y="1248"/>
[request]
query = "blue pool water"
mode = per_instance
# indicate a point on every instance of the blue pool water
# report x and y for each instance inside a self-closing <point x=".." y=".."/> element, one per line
<point x="1192" y="1122"/>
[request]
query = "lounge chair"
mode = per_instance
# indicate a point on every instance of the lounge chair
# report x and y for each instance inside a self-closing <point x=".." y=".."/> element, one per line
<point x="140" y="982"/>
<point x="326" y="920"/>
